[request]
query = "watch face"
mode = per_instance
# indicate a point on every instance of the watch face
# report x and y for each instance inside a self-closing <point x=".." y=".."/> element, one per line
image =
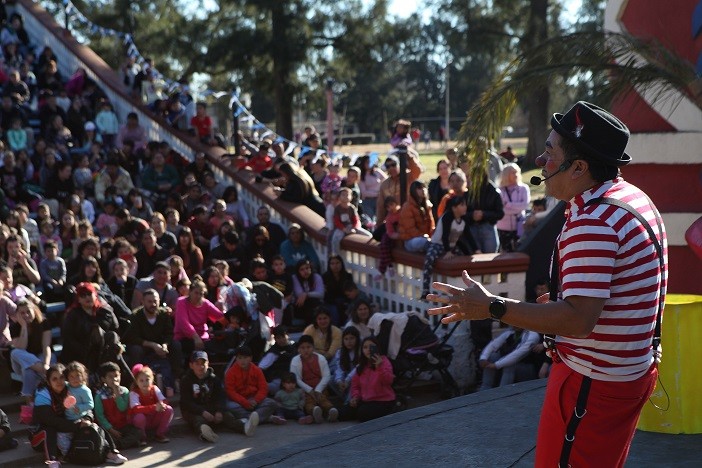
<point x="498" y="308"/>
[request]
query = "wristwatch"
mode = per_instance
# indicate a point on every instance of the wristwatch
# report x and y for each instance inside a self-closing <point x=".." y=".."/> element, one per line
<point x="498" y="308"/>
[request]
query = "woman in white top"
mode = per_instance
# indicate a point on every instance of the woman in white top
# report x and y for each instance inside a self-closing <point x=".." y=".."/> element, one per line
<point x="369" y="183"/>
<point x="515" y="199"/>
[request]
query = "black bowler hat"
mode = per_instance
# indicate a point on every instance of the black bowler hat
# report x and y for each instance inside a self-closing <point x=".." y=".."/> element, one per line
<point x="595" y="132"/>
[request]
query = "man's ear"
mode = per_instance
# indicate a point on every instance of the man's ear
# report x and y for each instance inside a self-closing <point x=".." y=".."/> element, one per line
<point x="581" y="167"/>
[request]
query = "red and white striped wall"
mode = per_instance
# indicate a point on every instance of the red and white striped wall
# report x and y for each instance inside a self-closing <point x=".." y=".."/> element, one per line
<point x="666" y="140"/>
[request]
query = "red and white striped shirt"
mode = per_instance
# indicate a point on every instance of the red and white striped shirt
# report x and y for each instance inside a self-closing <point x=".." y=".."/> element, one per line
<point x="605" y="252"/>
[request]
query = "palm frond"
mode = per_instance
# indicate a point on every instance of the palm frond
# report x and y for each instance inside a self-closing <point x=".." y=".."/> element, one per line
<point x="626" y="62"/>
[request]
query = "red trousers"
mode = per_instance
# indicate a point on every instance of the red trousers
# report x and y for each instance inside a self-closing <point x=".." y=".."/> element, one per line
<point x="605" y="432"/>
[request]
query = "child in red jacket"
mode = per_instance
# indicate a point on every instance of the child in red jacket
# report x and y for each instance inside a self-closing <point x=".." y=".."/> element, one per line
<point x="148" y="408"/>
<point x="247" y="391"/>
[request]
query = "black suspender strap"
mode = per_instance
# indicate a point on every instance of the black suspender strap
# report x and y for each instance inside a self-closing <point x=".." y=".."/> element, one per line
<point x="578" y="414"/>
<point x="659" y="250"/>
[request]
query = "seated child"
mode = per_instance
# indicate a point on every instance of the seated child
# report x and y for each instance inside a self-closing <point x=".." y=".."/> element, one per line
<point x="281" y="279"/>
<point x="312" y="373"/>
<point x="343" y="366"/>
<point x="276" y="362"/>
<point x="48" y="233"/>
<point x="451" y="237"/>
<point x="372" y="395"/>
<point x="177" y="269"/>
<point x="346" y="221"/>
<point x="538" y="213"/>
<point x="247" y="392"/>
<point x="52" y="270"/>
<point x="291" y="400"/>
<point x="202" y="402"/>
<point x="148" y="408"/>
<point x="77" y="376"/>
<point x="332" y="181"/>
<point x="16" y="135"/>
<point x="112" y="407"/>
<point x="53" y="432"/>
<point x="106" y="224"/>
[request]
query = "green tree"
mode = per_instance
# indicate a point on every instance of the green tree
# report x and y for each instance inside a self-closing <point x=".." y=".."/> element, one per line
<point x="620" y="61"/>
<point x="262" y="45"/>
<point x="161" y="30"/>
<point x="489" y="33"/>
<point x="384" y="69"/>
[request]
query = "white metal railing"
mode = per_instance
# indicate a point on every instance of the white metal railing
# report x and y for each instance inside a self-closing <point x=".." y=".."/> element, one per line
<point x="397" y="294"/>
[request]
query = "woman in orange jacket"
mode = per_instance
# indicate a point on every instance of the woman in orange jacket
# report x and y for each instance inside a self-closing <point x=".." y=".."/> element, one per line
<point x="416" y="219"/>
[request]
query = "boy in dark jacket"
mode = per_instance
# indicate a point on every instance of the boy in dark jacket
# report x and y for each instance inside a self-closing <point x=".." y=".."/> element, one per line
<point x="276" y="362"/>
<point x="202" y="400"/>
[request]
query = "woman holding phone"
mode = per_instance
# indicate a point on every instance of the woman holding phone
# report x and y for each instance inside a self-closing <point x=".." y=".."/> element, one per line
<point x="372" y="395"/>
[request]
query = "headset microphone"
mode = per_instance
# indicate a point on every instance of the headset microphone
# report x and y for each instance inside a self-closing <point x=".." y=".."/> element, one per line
<point x="536" y="180"/>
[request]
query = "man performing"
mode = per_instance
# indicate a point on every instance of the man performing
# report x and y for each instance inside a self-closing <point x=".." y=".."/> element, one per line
<point x="611" y="264"/>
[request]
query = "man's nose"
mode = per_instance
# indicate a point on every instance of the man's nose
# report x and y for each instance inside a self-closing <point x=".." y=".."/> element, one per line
<point x="540" y="160"/>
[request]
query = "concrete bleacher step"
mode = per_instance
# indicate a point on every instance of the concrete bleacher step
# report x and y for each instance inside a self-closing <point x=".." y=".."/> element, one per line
<point x="11" y="405"/>
<point x="24" y="455"/>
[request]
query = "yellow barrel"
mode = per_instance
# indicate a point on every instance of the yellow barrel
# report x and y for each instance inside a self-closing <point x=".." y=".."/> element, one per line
<point x="678" y="394"/>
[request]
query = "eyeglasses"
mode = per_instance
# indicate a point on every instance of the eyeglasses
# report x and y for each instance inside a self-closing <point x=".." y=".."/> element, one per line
<point x="390" y="165"/>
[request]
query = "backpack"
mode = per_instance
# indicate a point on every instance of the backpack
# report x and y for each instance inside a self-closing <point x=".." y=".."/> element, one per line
<point x="89" y="446"/>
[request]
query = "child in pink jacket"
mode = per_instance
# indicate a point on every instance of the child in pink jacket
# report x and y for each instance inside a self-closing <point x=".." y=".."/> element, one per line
<point x="372" y="395"/>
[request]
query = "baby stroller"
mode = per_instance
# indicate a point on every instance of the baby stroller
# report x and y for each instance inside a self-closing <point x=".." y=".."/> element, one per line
<point x="413" y="348"/>
<point x="234" y="331"/>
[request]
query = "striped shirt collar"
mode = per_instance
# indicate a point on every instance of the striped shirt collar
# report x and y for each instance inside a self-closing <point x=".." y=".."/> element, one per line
<point x="578" y="202"/>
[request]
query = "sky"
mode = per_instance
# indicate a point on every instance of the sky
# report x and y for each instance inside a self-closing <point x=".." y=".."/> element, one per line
<point x="405" y="8"/>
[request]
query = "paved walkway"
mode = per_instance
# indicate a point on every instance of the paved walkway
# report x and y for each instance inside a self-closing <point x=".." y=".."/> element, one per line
<point x="496" y="428"/>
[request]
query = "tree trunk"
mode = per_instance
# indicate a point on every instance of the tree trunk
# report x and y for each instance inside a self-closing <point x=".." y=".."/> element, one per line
<point x="538" y="101"/>
<point x="284" y="89"/>
<point x="537" y="106"/>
